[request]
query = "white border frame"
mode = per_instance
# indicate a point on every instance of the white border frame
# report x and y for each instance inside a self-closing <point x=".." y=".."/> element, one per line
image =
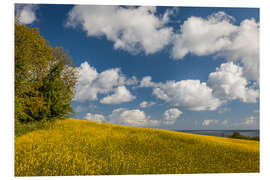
<point x="7" y="89"/>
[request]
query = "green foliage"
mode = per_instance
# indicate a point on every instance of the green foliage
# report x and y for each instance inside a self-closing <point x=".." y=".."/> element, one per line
<point x="22" y="128"/>
<point x="58" y="86"/>
<point x="237" y="135"/>
<point x="44" y="78"/>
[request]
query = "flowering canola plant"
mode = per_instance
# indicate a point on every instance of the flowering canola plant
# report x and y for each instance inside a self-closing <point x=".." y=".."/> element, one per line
<point x="79" y="147"/>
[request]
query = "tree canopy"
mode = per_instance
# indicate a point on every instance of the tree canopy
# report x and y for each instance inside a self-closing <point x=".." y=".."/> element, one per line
<point x="45" y="77"/>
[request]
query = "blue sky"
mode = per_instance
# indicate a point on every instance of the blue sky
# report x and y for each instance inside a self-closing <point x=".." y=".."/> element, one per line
<point x="162" y="67"/>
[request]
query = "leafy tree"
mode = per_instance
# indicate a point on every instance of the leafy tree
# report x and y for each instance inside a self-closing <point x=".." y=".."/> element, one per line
<point x="44" y="77"/>
<point x="58" y="85"/>
<point x="237" y="135"/>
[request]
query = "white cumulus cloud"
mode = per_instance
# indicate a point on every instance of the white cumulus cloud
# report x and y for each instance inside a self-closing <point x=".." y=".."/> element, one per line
<point x="147" y="82"/>
<point x="133" y="29"/>
<point x="229" y="83"/>
<point x="95" y="117"/>
<point x="91" y="83"/>
<point x="218" y="35"/>
<point x="26" y="13"/>
<point x="245" y="48"/>
<point x="171" y="115"/>
<point x="251" y="120"/>
<point x="132" y="117"/>
<point x="203" y="36"/>
<point x="120" y="95"/>
<point x="209" y="122"/>
<point x="135" y="117"/>
<point x="85" y="88"/>
<point x="146" y="104"/>
<point x="187" y="94"/>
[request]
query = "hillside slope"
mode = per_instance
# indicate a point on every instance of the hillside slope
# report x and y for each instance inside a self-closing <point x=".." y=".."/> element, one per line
<point x="77" y="147"/>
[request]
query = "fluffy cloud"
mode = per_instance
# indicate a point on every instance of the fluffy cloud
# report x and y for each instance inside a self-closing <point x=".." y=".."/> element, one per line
<point x="228" y="83"/>
<point x="133" y="29"/>
<point x="132" y="81"/>
<point x="249" y="122"/>
<point x="85" y="89"/>
<point x="171" y="115"/>
<point x="26" y="13"/>
<point x="252" y="120"/>
<point x="187" y="94"/>
<point x="203" y="36"/>
<point x="133" y="117"/>
<point x="120" y="95"/>
<point x="218" y="34"/>
<point x="146" y="104"/>
<point x="95" y="117"/>
<point x="225" y="84"/>
<point x="91" y="83"/>
<point x="245" y="47"/>
<point x="147" y="82"/>
<point x="208" y="122"/>
<point x="137" y="29"/>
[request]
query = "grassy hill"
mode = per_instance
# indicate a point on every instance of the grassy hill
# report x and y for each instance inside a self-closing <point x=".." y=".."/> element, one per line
<point x="77" y="147"/>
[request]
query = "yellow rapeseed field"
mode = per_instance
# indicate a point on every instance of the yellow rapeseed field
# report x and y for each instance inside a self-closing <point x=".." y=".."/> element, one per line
<point x="78" y="147"/>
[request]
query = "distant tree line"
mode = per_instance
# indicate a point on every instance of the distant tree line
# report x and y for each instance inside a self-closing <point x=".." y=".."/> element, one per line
<point x="237" y="135"/>
<point x="44" y="78"/>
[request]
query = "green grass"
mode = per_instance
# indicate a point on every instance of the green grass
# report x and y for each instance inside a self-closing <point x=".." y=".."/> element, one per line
<point x="23" y="128"/>
<point x="77" y="147"/>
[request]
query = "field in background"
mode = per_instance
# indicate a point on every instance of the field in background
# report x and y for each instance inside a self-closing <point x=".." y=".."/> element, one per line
<point x="77" y="147"/>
